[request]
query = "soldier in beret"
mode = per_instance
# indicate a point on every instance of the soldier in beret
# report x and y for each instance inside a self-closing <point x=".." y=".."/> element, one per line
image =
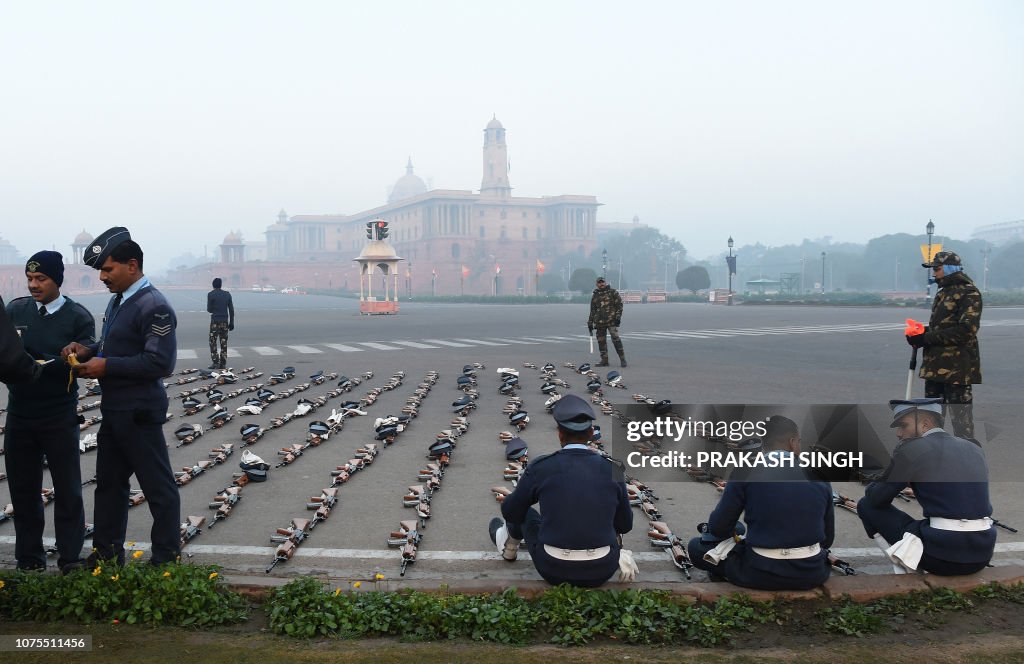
<point x="42" y="419"/>
<point x="136" y="350"/>
<point x="951" y="359"/>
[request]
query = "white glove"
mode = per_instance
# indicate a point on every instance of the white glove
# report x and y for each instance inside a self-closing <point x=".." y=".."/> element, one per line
<point x="249" y="410"/>
<point x="627" y="566"/>
<point x="302" y="409"/>
<point x="87" y="442"/>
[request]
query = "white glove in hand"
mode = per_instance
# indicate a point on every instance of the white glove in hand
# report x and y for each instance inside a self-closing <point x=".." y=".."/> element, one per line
<point x="627" y="566"/>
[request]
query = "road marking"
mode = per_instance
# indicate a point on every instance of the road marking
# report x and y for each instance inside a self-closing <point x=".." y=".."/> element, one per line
<point x="344" y="349"/>
<point x="518" y="341"/>
<point x="233" y="353"/>
<point x="448" y="343"/>
<point x="377" y="346"/>
<point x="267" y="350"/>
<point x="187" y="355"/>
<point x="481" y="342"/>
<point x="413" y="344"/>
<point x="305" y="350"/>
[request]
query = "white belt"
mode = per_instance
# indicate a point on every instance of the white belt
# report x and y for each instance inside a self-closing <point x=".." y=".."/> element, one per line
<point x="963" y="525"/>
<point x="793" y="553"/>
<point x="578" y="554"/>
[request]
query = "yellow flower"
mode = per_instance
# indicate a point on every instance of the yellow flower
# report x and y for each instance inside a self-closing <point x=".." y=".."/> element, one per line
<point x="97" y="571"/>
<point x="336" y="592"/>
<point x="1" y="584"/>
<point x="166" y="574"/>
<point x="137" y="555"/>
<point x="378" y="577"/>
<point x="115" y="577"/>
<point x="355" y="585"/>
<point x="213" y="575"/>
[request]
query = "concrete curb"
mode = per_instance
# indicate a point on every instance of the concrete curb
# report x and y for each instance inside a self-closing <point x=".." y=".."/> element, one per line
<point x="862" y="588"/>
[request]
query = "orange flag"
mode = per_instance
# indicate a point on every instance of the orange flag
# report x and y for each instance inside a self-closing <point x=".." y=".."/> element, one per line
<point x="465" y="271"/>
<point x="540" y="267"/>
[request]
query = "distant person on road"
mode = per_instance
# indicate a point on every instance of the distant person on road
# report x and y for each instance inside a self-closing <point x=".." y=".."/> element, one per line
<point x="790" y="522"/>
<point x="951" y="359"/>
<point x="605" y="317"/>
<point x="949" y="476"/>
<point x="584" y="508"/>
<point x="136" y="351"/>
<point x="42" y="420"/>
<point x="222" y="321"/>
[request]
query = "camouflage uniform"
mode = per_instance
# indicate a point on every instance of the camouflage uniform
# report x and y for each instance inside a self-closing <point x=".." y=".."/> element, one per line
<point x="605" y="316"/>
<point x="219" y="332"/>
<point x="951" y="359"/>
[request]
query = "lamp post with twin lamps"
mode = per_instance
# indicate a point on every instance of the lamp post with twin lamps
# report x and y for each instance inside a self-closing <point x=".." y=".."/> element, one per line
<point x="930" y="230"/>
<point x="731" y="267"/>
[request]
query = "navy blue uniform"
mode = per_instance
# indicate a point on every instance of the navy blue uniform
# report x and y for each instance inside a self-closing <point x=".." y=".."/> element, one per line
<point x="42" y="420"/>
<point x="583" y="505"/>
<point x="949" y="476"/>
<point x="140" y="347"/>
<point x="16" y="365"/>
<point x="783" y="508"/>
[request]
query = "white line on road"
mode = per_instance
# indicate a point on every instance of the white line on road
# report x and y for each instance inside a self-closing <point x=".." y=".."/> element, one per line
<point x="187" y="354"/>
<point x="377" y="346"/>
<point x="267" y="350"/>
<point x="481" y="342"/>
<point x="233" y="353"/>
<point x="306" y="350"/>
<point x="518" y="341"/>
<point x="453" y="344"/>
<point x="344" y="349"/>
<point x="413" y="344"/>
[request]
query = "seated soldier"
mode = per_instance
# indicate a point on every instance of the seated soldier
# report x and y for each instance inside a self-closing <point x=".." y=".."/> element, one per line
<point x="584" y="507"/>
<point x="949" y="477"/>
<point x="789" y="522"/>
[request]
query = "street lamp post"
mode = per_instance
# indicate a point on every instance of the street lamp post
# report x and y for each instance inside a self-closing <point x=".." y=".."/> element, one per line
<point x="729" y="265"/>
<point x="984" y="272"/>
<point x="930" y="230"/>
<point x="604" y="263"/>
<point x="823" y="273"/>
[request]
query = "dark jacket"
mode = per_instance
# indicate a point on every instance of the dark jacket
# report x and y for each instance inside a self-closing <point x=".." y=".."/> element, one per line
<point x="949" y="476"/>
<point x="220" y="307"/>
<point x="16" y="365"/>
<point x="44" y="338"/>
<point x="951" y="353"/>
<point x="605" y="308"/>
<point x="582" y="504"/>
<point x="141" y="349"/>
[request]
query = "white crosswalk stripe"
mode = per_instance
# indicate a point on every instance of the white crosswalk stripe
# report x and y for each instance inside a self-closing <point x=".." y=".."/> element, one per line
<point x="345" y="349"/>
<point x="413" y="344"/>
<point x="640" y="335"/>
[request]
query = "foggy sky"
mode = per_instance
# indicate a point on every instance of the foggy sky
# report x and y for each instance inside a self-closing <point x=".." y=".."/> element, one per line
<point x="769" y="121"/>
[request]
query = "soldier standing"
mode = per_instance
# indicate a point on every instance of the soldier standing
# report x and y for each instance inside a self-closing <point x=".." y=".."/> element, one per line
<point x="951" y="359"/>
<point x="137" y="349"/>
<point x="605" y="317"/>
<point x="43" y="420"/>
<point x="222" y="321"/>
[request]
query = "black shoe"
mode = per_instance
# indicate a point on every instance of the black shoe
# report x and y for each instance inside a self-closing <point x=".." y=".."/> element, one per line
<point x="32" y="567"/>
<point x="492" y="528"/>
<point x="602" y="363"/>
<point x="71" y="567"/>
<point x="622" y="361"/>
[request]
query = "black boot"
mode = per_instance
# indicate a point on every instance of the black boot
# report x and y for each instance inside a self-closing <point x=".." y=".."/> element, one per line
<point x="622" y="360"/>
<point x="603" y="362"/>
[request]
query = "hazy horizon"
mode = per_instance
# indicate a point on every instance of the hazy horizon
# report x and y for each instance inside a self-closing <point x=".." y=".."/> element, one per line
<point x="768" y="122"/>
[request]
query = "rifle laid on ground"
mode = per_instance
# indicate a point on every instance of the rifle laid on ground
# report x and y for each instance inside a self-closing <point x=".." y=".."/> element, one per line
<point x="290" y="538"/>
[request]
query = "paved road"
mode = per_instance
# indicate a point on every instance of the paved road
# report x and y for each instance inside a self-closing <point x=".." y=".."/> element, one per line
<point x="689" y="353"/>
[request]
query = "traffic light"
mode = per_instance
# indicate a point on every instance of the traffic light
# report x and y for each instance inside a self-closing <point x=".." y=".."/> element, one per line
<point x="369" y="230"/>
<point x="382" y="230"/>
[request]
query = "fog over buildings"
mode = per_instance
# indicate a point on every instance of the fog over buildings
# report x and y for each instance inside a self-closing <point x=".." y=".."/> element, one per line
<point x="769" y="122"/>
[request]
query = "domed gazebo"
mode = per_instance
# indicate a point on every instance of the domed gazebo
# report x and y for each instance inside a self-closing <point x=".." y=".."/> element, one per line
<point x="78" y="246"/>
<point x="378" y="254"/>
<point x="232" y="249"/>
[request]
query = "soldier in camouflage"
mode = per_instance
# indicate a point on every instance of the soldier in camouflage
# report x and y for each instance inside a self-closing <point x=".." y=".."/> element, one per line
<point x="951" y="361"/>
<point x="605" y="316"/>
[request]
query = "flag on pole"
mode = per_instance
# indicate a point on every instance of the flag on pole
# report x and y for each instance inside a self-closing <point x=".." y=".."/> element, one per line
<point x="465" y="271"/>
<point x="497" y="269"/>
<point x="433" y="272"/>
<point x="540" y="267"/>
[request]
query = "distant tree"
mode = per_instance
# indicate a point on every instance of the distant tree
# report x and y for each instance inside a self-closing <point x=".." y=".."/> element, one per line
<point x="550" y="283"/>
<point x="693" y="279"/>
<point x="582" y="279"/>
